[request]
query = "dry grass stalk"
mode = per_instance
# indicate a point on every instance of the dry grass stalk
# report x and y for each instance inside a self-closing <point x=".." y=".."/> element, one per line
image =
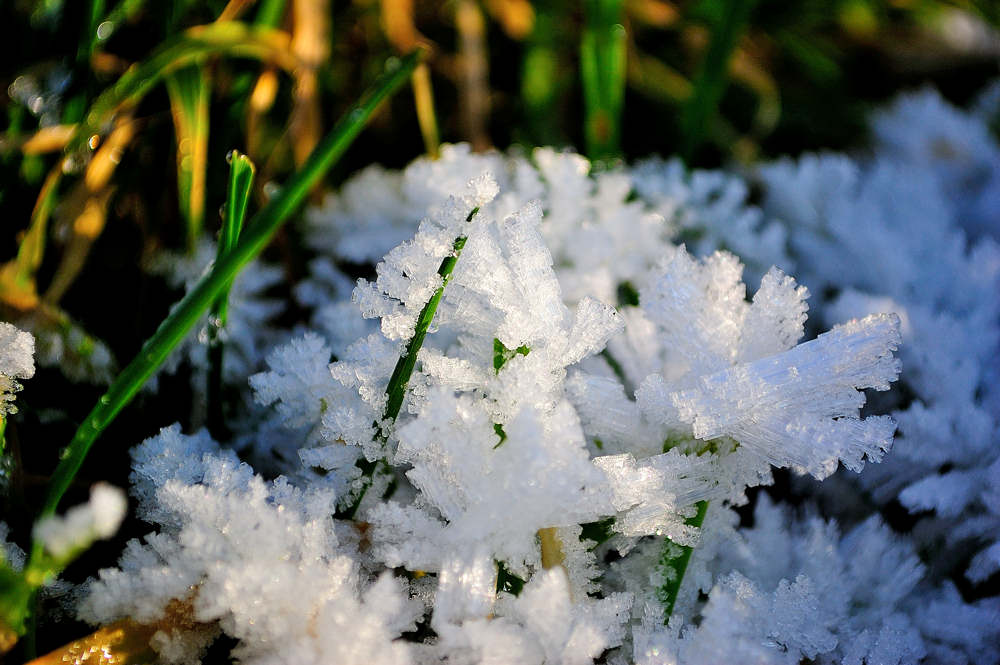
<point x="311" y="47"/>
<point x="473" y="73"/>
<point x="124" y="642"/>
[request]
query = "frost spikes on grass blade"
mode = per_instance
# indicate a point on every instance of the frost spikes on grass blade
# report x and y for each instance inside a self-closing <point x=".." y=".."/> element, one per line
<point x="674" y="562"/>
<point x="396" y="389"/>
<point x="404" y="366"/>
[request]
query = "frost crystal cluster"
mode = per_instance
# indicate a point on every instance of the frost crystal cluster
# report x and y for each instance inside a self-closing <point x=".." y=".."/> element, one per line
<point x="531" y="434"/>
<point x="17" y="361"/>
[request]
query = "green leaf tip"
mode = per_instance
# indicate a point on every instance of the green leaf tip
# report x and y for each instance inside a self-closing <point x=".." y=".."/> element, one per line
<point x="674" y="562"/>
<point x="501" y="354"/>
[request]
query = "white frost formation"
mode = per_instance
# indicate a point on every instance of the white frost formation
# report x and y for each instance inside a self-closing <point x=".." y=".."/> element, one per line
<point x="589" y="407"/>
<point x="17" y="361"/>
<point x="73" y="532"/>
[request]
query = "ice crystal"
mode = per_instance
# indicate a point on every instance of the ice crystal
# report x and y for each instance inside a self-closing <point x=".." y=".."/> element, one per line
<point x="497" y="448"/>
<point x="17" y="361"/>
<point x="259" y="560"/>
<point x="869" y="230"/>
<point x="81" y="525"/>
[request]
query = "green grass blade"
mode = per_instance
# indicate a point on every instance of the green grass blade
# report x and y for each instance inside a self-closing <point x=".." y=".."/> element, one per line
<point x="122" y="13"/>
<point x="727" y="18"/>
<point x="270" y="13"/>
<point x="401" y="373"/>
<point x="396" y="389"/>
<point x="190" y="95"/>
<point x="89" y="38"/>
<point x="602" y="67"/>
<point x="501" y="354"/>
<point x="241" y="176"/>
<point x="675" y="559"/>
<point x="508" y="581"/>
<point x="541" y="83"/>
<point x="190" y="309"/>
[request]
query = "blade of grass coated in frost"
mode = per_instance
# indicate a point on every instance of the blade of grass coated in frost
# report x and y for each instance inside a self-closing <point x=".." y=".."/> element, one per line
<point x="396" y="389"/>
<point x="501" y="354"/>
<point x="404" y="366"/>
<point x="677" y="562"/>
<point x="189" y="310"/>
<point x="628" y="296"/>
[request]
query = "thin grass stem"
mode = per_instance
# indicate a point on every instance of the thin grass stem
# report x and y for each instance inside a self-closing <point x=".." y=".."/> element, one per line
<point x="423" y="97"/>
<point x="190" y="309"/>
<point x="396" y="389"/>
<point x="190" y="95"/>
<point x="602" y="68"/>
<point x="241" y="177"/>
<point x="729" y="19"/>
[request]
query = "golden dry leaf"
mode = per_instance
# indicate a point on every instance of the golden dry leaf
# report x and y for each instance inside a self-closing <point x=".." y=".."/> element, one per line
<point x="121" y="643"/>
<point x="124" y="642"/>
<point x="85" y="209"/>
<point x="17" y="276"/>
<point x="108" y="64"/>
<point x="264" y="91"/>
<point x="657" y="79"/>
<point x="423" y="96"/>
<point x="8" y="638"/>
<point x="86" y="227"/>
<point x="107" y="157"/>
<point x="473" y="73"/>
<point x="311" y="31"/>
<point x="270" y="45"/>
<point x="15" y="291"/>
<point x="656" y="13"/>
<point x="399" y="26"/>
<point x="234" y="9"/>
<point x="48" y="139"/>
<point x="311" y="46"/>
<point x="552" y="553"/>
<point x="90" y="222"/>
<point x="516" y="17"/>
<point x="746" y="69"/>
<point x="305" y="123"/>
